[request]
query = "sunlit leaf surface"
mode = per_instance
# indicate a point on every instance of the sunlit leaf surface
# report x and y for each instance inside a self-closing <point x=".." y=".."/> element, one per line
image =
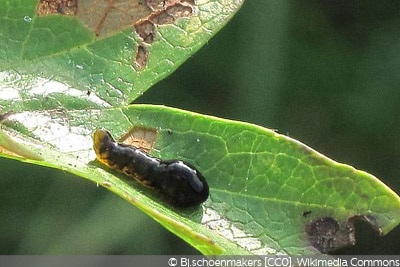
<point x="94" y="53"/>
<point x="269" y="193"/>
<point x="68" y="70"/>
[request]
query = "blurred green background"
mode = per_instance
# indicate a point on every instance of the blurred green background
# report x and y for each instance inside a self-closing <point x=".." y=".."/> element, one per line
<point x="324" y="72"/>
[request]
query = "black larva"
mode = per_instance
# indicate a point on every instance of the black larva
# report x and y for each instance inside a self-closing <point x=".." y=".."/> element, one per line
<point x="180" y="183"/>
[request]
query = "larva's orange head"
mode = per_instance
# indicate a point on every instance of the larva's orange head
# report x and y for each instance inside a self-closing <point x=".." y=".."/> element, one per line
<point x="101" y="143"/>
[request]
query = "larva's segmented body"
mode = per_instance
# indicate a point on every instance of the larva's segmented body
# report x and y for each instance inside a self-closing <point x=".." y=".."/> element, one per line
<point x="180" y="183"/>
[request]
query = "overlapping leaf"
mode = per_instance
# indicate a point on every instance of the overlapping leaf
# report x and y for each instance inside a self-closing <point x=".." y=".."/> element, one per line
<point x="269" y="193"/>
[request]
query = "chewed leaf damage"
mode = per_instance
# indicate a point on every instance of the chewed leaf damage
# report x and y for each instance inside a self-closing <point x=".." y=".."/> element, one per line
<point x="106" y="17"/>
<point x="63" y="7"/>
<point x="163" y="12"/>
<point x="140" y="137"/>
<point x="328" y="235"/>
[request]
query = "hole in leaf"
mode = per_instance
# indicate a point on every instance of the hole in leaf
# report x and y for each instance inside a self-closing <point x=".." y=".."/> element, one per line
<point x="327" y="235"/>
<point x="164" y="12"/>
<point x="140" y="137"/>
<point x="179" y="11"/>
<point x="105" y="17"/>
<point x="142" y="57"/>
<point x="146" y="30"/>
<point x="367" y="239"/>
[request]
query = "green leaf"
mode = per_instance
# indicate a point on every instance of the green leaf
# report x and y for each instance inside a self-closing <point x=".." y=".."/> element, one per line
<point x="92" y="53"/>
<point x="268" y="192"/>
<point x="64" y="76"/>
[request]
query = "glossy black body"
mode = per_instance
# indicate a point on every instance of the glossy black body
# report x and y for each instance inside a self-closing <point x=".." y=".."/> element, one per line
<point x="179" y="182"/>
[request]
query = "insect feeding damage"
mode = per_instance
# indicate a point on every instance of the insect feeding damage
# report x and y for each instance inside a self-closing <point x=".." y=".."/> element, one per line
<point x="63" y="7"/>
<point x="164" y="12"/>
<point x="179" y="182"/>
<point x="105" y="17"/>
<point x="140" y="137"/>
<point x="327" y="234"/>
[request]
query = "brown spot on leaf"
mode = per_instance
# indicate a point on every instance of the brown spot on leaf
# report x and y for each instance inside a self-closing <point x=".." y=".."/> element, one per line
<point x="63" y="7"/>
<point x="179" y="11"/>
<point x="146" y="30"/>
<point x="161" y="4"/>
<point x="162" y="18"/>
<point x="163" y="12"/>
<point x="105" y="17"/>
<point x="140" y="137"/>
<point x="170" y="14"/>
<point x="156" y="4"/>
<point x="188" y="2"/>
<point x="327" y="234"/>
<point x="141" y="57"/>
